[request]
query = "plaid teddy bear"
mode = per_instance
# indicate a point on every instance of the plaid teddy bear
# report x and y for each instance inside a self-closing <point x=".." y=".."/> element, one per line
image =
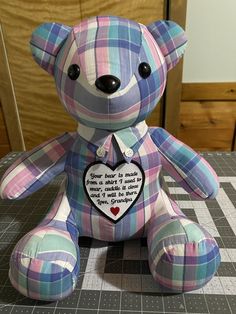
<point x="110" y="73"/>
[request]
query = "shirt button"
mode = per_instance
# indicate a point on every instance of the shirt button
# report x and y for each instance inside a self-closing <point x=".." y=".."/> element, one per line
<point x="101" y="152"/>
<point x="129" y="153"/>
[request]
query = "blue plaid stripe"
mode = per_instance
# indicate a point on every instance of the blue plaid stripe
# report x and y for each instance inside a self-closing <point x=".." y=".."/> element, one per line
<point x="45" y="43"/>
<point x="194" y="170"/>
<point x="171" y="40"/>
<point x="37" y="167"/>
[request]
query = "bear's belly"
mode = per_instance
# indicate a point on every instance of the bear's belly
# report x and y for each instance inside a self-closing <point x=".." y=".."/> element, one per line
<point x="113" y="201"/>
<point x="93" y="223"/>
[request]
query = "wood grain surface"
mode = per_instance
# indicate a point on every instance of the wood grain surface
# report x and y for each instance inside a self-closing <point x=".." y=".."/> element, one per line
<point x="208" y="125"/>
<point x="41" y="114"/>
<point x="143" y="11"/>
<point x="8" y="101"/>
<point x="176" y="12"/>
<point x="155" y="118"/>
<point x="4" y="140"/>
<point x="209" y="91"/>
<point x="3" y="132"/>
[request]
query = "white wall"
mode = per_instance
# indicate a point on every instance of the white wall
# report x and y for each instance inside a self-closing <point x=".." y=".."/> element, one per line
<point x="211" y="50"/>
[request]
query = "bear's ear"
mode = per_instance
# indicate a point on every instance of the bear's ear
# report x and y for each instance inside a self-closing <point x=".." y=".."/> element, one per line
<point x="45" y="43"/>
<point x="171" y="39"/>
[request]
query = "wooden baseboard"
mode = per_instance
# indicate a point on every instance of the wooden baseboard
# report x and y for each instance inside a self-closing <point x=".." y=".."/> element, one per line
<point x="209" y="91"/>
<point x="208" y="125"/>
<point x="208" y="115"/>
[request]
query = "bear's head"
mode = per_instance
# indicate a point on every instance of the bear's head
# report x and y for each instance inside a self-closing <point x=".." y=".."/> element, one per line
<point x="110" y="72"/>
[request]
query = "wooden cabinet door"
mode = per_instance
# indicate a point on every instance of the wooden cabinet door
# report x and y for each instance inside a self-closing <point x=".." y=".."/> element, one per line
<point x="37" y="107"/>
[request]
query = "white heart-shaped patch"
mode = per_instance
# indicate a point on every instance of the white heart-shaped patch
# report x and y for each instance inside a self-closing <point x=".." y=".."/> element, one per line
<point x="113" y="190"/>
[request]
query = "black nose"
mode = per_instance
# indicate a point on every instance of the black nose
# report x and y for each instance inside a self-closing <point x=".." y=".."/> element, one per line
<point x="108" y="84"/>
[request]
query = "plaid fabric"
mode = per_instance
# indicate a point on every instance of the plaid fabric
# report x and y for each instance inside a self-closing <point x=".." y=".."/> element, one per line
<point x="45" y="43"/>
<point x="110" y="46"/>
<point x="188" y="168"/>
<point x="36" y="168"/>
<point x="104" y="44"/>
<point x="45" y="263"/>
<point x="171" y="39"/>
<point x="183" y="256"/>
<point x="131" y="137"/>
<point x="89" y="221"/>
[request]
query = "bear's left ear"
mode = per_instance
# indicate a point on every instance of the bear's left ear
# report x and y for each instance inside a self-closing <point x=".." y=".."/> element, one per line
<point x="45" y="43"/>
<point x="171" y="39"/>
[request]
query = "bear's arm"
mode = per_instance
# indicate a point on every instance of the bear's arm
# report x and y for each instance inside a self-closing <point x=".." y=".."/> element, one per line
<point x="36" y="168"/>
<point x="187" y="167"/>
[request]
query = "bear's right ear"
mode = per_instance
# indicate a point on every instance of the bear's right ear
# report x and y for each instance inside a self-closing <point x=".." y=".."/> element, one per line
<point x="45" y="43"/>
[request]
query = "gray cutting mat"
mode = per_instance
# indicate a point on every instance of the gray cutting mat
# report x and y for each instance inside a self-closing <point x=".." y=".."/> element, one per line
<point x="115" y="278"/>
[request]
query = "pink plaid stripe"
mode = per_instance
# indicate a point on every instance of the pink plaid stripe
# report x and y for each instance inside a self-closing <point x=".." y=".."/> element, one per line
<point x="36" y="168"/>
<point x="187" y="167"/>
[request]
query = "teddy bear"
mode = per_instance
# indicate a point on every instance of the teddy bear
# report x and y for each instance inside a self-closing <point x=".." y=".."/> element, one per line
<point x="110" y="72"/>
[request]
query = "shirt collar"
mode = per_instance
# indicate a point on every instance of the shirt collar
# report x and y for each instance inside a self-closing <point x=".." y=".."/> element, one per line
<point x="128" y="139"/>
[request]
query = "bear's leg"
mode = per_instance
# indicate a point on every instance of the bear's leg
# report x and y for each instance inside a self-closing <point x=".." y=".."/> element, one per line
<point x="183" y="256"/>
<point x="44" y="264"/>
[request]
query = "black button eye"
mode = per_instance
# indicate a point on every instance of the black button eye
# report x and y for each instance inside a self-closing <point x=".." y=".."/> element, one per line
<point x="73" y="72"/>
<point x="144" y="70"/>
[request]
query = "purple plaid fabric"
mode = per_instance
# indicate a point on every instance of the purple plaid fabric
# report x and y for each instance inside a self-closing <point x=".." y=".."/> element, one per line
<point x="88" y="219"/>
<point x="102" y="46"/>
<point x="46" y="42"/>
<point x="189" y="169"/>
<point x="171" y="39"/>
<point x="171" y="237"/>
<point x="36" y="168"/>
<point x="112" y="133"/>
